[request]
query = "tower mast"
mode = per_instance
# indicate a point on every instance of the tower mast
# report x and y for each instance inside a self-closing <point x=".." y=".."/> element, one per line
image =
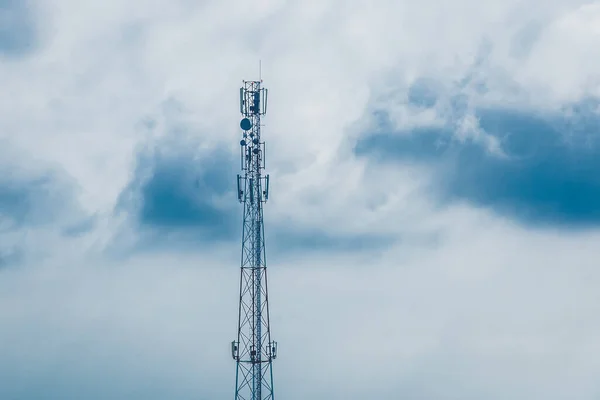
<point x="253" y="351"/>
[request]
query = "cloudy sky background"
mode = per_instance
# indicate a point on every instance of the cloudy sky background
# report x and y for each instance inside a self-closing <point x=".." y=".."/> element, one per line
<point x="432" y="228"/>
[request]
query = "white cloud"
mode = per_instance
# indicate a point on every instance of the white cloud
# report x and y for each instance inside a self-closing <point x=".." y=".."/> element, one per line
<point x="495" y="311"/>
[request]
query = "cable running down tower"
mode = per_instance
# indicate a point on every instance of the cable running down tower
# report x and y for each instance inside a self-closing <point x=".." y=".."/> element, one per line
<point x="253" y="351"/>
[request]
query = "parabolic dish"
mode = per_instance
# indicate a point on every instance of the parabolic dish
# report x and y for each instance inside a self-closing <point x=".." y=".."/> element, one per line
<point x="246" y="124"/>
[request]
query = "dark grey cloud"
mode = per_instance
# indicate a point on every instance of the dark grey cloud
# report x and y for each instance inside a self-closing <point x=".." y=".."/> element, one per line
<point x="18" y="32"/>
<point x="34" y="201"/>
<point x="283" y="242"/>
<point x="423" y="93"/>
<point x="549" y="175"/>
<point x="180" y="200"/>
<point x="182" y="193"/>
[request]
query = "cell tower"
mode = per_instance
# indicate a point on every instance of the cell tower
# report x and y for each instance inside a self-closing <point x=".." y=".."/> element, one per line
<point x="253" y="351"/>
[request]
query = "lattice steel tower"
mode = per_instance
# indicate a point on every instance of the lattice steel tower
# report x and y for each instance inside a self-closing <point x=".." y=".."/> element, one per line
<point x="253" y="351"/>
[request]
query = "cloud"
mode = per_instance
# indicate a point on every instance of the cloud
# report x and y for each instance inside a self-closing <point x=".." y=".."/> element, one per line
<point x="180" y="198"/>
<point x="186" y="192"/>
<point x="414" y="318"/>
<point x="38" y="207"/>
<point x="545" y="173"/>
<point x="288" y="242"/>
<point x="70" y="331"/>
<point x="130" y="278"/>
<point x="34" y="202"/>
<point x="18" y="30"/>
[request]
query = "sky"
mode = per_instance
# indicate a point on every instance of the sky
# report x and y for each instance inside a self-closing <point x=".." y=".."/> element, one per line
<point x="432" y="224"/>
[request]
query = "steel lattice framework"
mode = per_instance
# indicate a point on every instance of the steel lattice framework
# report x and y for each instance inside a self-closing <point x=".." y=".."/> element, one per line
<point x="253" y="351"/>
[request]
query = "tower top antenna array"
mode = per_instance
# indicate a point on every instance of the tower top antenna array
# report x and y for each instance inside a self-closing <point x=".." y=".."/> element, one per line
<point x="253" y="351"/>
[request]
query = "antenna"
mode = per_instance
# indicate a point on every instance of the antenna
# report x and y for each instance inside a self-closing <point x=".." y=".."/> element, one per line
<point x="253" y="350"/>
<point x="260" y="70"/>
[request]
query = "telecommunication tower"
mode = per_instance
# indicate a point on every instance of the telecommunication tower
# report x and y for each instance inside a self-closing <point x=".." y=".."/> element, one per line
<point x="253" y="351"/>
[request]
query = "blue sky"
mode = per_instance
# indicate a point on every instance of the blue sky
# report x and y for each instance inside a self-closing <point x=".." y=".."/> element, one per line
<point x="432" y="209"/>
